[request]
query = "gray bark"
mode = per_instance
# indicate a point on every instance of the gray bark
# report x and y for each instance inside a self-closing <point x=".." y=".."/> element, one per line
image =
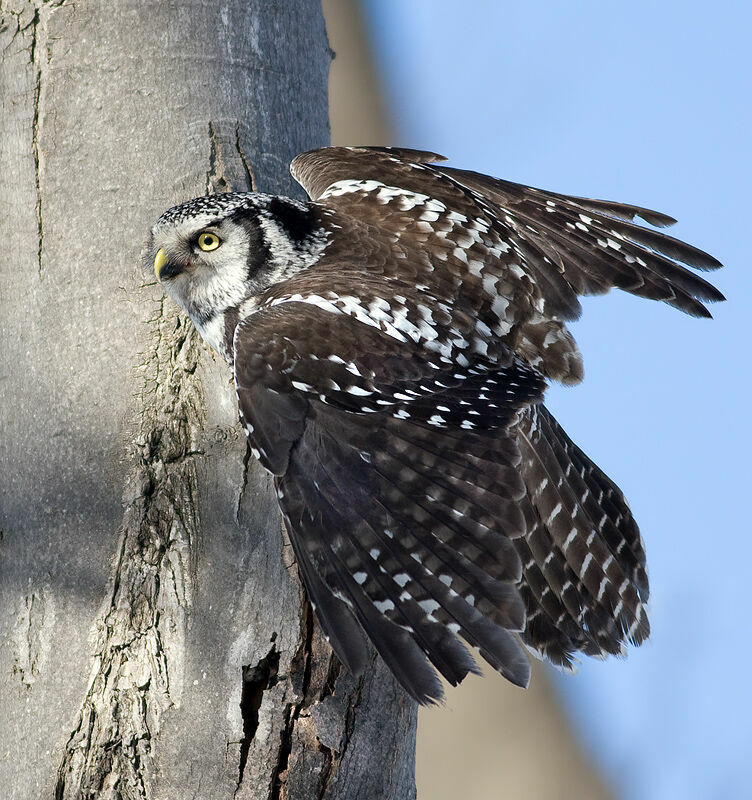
<point x="154" y="641"/>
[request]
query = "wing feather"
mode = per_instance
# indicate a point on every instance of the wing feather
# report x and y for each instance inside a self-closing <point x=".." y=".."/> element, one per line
<point x="588" y="244"/>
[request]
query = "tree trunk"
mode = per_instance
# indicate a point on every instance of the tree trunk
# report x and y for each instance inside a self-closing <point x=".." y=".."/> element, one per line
<point x="154" y="641"/>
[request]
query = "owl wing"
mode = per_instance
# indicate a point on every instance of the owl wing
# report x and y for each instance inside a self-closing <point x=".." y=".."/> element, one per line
<point x="569" y="246"/>
<point x="398" y="478"/>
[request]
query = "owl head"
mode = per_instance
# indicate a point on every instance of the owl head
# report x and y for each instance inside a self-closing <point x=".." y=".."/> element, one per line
<point x="214" y="253"/>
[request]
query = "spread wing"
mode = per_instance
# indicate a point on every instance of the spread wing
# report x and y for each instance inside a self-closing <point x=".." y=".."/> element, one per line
<point x="392" y="388"/>
<point x="568" y="246"/>
<point x="398" y="478"/>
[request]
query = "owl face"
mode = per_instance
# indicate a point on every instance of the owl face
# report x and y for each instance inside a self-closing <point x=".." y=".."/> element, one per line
<point x="214" y="253"/>
<point x="219" y="253"/>
<point x="203" y="251"/>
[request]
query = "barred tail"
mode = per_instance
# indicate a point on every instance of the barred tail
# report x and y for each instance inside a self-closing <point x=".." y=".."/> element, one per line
<point x="584" y="579"/>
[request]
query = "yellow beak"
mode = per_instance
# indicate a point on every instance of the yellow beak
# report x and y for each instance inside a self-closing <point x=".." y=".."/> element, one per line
<point x="160" y="259"/>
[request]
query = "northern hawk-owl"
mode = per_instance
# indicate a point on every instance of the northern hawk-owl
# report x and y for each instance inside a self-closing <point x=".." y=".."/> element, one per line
<point x="391" y="342"/>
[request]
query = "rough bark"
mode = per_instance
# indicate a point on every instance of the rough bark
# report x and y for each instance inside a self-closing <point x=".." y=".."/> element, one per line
<point x="153" y="641"/>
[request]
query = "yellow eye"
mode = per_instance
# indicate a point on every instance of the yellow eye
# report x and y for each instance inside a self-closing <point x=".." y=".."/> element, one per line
<point x="208" y="241"/>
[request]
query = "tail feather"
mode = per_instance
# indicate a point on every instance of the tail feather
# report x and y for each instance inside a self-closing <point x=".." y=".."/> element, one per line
<point x="574" y="533"/>
<point x="551" y="629"/>
<point x="615" y="529"/>
<point x="583" y="547"/>
<point x="604" y="503"/>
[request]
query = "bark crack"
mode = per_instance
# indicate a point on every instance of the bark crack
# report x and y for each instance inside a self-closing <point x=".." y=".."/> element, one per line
<point x="39" y="63"/>
<point x="36" y="62"/>
<point x="257" y="679"/>
<point x="350" y="718"/>
<point x="216" y="175"/>
<point x="244" y="480"/>
<point x="301" y="659"/>
<point x="316" y="724"/>
<point x="250" y="177"/>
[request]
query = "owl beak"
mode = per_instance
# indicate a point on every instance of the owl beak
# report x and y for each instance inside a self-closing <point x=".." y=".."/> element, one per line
<point x="160" y="259"/>
<point x="164" y="268"/>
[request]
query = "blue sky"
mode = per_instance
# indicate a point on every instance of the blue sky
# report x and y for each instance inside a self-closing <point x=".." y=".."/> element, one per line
<point x="648" y="103"/>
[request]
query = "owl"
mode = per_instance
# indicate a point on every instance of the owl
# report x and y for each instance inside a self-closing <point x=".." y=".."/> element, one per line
<point x="391" y="341"/>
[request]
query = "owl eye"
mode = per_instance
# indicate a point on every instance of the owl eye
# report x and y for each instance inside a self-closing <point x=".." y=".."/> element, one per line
<point x="208" y="241"/>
